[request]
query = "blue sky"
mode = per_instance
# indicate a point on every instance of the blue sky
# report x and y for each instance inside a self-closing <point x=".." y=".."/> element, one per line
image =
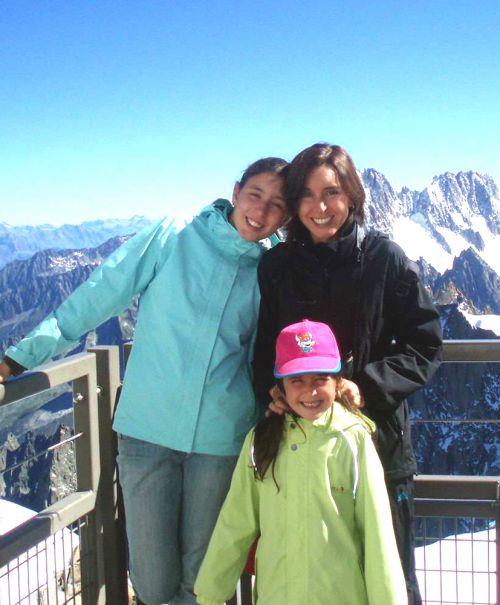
<point x="115" y="108"/>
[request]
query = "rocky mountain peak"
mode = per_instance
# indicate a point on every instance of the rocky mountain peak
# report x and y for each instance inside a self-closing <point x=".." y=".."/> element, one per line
<point x="382" y="205"/>
<point x="456" y="201"/>
<point x="470" y="280"/>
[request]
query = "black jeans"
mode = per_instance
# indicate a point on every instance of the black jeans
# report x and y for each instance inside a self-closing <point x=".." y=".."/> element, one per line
<point x="403" y="517"/>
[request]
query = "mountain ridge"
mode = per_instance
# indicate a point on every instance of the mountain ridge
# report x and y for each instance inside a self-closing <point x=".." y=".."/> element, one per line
<point x="22" y="242"/>
<point x="455" y="211"/>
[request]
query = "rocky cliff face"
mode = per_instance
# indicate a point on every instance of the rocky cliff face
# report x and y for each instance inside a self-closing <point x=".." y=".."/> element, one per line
<point x="383" y="204"/>
<point x="450" y="228"/>
<point x="38" y="475"/>
<point x="457" y="201"/>
<point x="470" y="280"/>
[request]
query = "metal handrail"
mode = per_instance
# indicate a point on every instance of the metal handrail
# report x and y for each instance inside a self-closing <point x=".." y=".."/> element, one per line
<point x="458" y="496"/>
<point x="96" y="495"/>
<point x="472" y="351"/>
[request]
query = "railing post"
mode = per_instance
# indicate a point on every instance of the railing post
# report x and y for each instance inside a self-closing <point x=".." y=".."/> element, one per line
<point x="109" y="495"/>
<point x="88" y="478"/>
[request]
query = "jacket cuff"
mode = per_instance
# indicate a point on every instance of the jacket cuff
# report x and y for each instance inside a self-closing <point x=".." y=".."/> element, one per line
<point x="15" y="368"/>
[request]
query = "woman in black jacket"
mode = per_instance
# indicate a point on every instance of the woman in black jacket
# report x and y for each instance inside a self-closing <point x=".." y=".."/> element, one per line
<point x="363" y="286"/>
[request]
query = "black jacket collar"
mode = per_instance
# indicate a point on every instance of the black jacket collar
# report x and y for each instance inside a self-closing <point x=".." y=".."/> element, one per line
<point x="338" y="250"/>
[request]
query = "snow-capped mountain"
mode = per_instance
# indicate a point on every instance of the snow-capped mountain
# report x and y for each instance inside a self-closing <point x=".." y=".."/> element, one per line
<point x="453" y="213"/>
<point x="18" y="243"/>
<point x="383" y="205"/>
<point x="451" y="228"/>
<point x="461" y="203"/>
<point x="471" y="279"/>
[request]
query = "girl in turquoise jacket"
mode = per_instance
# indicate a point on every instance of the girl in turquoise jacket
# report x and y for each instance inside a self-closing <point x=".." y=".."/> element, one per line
<point x="189" y="370"/>
<point x="311" y="485"/>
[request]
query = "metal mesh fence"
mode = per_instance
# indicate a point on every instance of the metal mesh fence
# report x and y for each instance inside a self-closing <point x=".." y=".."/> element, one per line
<point x="456" y="566"/>
<point x="48" y="573"/>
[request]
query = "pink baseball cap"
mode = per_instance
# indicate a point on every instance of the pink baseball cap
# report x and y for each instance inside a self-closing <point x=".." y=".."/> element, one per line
<point x="306" y="347"/>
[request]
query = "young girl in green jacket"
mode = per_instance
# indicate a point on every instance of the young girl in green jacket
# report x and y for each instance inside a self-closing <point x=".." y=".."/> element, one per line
<point x="311" y="485"/>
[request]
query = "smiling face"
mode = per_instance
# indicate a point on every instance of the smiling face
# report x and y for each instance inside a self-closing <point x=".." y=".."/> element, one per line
<point x="259" y="206"/>
<point x="310" y="395"/>
<point x="323" y="206"/>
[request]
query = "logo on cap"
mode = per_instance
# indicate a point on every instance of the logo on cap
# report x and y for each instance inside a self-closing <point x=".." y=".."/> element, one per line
<point x="305" y="342"/>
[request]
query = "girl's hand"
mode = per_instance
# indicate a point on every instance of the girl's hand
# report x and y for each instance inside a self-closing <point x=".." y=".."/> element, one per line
<point x="4" y="372"/>
<point x="278" y="404"/>
<point x="348" y="391"/>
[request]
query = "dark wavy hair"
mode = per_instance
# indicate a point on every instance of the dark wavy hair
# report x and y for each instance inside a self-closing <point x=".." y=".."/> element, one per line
<point x="298" y="171"/>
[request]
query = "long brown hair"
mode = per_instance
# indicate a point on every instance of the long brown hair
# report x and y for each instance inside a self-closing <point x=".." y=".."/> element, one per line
<point x="298" y="172"/>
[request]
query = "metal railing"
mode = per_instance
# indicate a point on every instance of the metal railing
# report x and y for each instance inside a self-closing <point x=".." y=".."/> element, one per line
<point x="456" y="563"/>
<point x="95" y="506"/>
<point x="445" y="504"/>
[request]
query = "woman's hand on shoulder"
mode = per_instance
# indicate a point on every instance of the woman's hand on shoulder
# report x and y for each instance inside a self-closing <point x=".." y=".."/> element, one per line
<point x="348" y="392"/>
<point x="4" y="372"/>
<point x="278" y="404"/>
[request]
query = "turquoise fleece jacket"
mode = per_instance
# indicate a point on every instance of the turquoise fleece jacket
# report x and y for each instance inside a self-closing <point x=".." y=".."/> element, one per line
<point x="188" y="380"/>
<point x="326" y="536"/>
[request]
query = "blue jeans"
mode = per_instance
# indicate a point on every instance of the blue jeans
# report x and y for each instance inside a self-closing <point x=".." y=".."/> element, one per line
<point x="172" y="500"/>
